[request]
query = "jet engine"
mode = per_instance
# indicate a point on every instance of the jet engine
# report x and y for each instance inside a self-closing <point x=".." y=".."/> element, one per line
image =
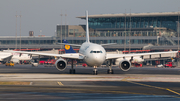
<point x="61" y="64"/>
<point x="125" y="65"/>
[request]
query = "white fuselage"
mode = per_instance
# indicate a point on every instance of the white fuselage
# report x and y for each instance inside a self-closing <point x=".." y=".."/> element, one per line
<point x="94" y="54"/>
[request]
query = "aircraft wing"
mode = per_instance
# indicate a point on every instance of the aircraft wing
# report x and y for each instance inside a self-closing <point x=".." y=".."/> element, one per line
<point x="7" y="58"/>
<point x="115" y="56"/>
<point x="108" y="44"/>
<point x="70" y="55"/>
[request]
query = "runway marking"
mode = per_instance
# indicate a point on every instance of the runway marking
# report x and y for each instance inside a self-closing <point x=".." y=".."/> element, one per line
<point x="125" y="79"/>
<point x="104" y="91"/>
<point x="14" y="83"/>
<point x="31" y="83"/>
<point x="59" y="83"/>
<point x="167" y="89"/>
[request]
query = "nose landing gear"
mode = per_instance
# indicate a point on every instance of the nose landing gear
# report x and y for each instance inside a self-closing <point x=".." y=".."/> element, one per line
<point x="95" y="72"/>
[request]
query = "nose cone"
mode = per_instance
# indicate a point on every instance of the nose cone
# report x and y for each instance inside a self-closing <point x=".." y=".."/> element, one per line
<point x="96" y="60"/>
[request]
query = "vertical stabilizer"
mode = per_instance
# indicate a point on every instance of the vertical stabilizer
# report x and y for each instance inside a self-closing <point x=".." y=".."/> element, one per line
<point x="68" y="48"/>
<point x="87" y="27"/>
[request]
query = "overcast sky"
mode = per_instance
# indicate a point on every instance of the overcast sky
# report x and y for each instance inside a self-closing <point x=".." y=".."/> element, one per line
<point x="45" y="14"/>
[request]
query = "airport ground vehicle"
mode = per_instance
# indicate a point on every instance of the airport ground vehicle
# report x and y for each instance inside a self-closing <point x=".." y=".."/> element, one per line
<point x="137" y="64"/>
<point x="9" y="64"/>
<point x="42" y="61"/>
<point x="34" y="63"/>
<point x="84" y="65"/>
<point x="50" y="62"/>
<point x="160" y="66"/>
<point x="169" y="64"/>
<point x="46" y="62"/>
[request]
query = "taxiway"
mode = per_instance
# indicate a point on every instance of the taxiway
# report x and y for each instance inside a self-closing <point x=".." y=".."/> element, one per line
<point x="23" y="82"/>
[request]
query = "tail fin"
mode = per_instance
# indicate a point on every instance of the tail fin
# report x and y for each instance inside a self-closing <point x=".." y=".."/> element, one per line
<point x="87" y="27"/>
<point x="68" y="48"/>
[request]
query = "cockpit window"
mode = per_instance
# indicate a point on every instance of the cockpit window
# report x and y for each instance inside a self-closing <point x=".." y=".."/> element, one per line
<point x="96" y="52"/>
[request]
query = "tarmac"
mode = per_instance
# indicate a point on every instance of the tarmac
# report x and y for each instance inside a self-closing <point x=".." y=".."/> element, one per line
<point x="23" y="82"/>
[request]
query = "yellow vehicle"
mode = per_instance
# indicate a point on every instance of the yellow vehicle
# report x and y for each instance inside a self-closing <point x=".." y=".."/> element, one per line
<point x="9" y="64"/>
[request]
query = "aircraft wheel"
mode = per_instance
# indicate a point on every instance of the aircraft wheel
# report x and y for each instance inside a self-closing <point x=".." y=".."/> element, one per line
<point x="95" y="72"/>
<point x="110" y="72"/>
<point x="72" y="71"/>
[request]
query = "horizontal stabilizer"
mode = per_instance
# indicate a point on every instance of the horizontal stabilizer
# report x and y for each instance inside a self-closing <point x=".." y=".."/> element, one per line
<point x="77" y="45"/>
<point x="108" y="44"/>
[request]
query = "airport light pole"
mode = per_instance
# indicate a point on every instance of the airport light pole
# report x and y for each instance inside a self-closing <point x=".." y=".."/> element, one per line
<point x="125" y="32"/>
<point x="178" y="32"/>
<point x="65" y="25"/>
<point x="20" y="31"/>
<point x="130" y="34"/>
<point x="178" y="37"/>
<point x="40" y="32"/>
<point x="55" y="33"/>
<point x="16" y="30"/>
<point x="61" y="30"/>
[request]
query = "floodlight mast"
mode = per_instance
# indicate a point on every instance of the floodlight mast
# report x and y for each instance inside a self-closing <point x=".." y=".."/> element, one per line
<point x="125" y="33"/>
<point x="20" y="31"/>
<point x="130" y="34"/>
<point x="178" y="32"/>
<point x="16" y="30"/>
<point x="61" y="30"/>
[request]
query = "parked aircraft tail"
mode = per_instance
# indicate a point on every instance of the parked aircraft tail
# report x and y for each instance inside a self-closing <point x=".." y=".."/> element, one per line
<point x="68" y="48"/>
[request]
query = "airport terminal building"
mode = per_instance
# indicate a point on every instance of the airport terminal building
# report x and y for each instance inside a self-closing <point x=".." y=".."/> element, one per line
<point x="134" y="30"/>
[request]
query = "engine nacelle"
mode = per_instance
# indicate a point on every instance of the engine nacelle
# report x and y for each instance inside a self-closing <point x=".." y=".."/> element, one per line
<point x="61" y="64"/>
<point x="125" y="65"/>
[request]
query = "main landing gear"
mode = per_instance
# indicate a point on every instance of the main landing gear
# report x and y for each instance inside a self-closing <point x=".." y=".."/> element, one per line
<point x="110" y="70"/>
<point x="72" y="71"/>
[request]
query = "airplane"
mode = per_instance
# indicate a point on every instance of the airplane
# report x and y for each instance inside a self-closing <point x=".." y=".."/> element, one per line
<point x="137" y="59"/>
<point x="5" y="57"/>
<point x="14" y="57"/>
<point x="93" y="55"/>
